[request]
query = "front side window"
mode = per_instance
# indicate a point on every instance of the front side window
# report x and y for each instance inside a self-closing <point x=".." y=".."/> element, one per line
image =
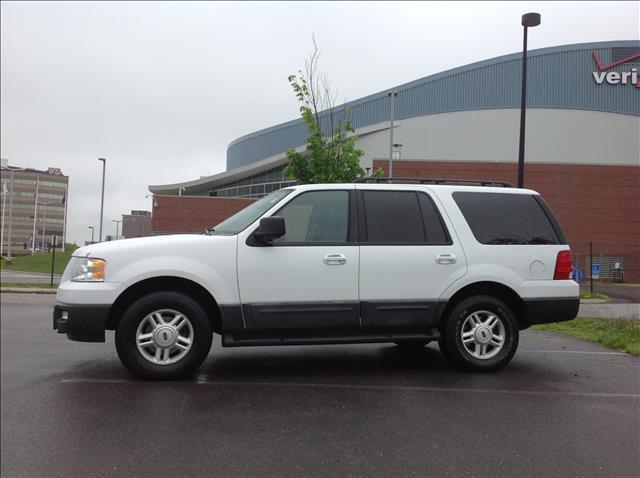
<point x="503" y="218"/>
<point x="316" y="217"/>
<point x="247" y="216"/>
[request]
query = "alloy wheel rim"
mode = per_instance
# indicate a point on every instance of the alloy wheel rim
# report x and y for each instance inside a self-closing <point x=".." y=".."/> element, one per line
<point x="164" y="336"/>
<point x="483" y="334"/>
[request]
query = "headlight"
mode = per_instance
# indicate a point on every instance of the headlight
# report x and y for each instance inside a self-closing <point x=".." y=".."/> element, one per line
<point x="87" y="269"/>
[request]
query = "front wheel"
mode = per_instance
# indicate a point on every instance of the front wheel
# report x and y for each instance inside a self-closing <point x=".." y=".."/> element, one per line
<point x="163" y="336"/>
<point x="481" y="334"/>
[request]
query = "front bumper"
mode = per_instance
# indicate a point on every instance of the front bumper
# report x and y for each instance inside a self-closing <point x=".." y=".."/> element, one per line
<point x="545" y="311"/>
<point x="82" y="323"/>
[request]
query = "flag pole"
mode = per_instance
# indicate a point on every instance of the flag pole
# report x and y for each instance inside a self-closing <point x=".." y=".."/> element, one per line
<point x="35" y="214"/>
<point x="65" y="199"/>
<point x="4" y="202"/>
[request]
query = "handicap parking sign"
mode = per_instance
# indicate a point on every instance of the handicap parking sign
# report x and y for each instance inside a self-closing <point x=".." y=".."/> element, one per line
<point x="595" y="270"/>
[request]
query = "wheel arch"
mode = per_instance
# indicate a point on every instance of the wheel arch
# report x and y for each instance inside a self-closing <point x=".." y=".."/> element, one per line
<point x="172" y="283"/>
<point x="496" y="289"/>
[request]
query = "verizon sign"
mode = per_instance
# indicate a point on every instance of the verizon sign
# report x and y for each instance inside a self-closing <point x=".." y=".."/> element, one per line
<point x="616" y="77"/>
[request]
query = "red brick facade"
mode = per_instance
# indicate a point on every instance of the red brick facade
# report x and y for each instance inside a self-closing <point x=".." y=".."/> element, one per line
<point x="600" y="204"/>
<point x="181" y="214"/>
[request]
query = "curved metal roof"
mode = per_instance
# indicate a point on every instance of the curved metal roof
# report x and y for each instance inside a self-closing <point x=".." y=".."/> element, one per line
<point x="559" y="77"/>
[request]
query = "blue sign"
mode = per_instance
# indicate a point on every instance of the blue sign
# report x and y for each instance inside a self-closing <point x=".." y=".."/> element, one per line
<point x="595" y="268"/>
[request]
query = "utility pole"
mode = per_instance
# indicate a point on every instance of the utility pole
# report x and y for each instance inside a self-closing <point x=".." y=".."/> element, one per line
<point x="104" y="165"/>
<point x="392" y="95"/>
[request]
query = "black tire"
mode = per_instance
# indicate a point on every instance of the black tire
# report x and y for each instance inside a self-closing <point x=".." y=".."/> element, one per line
<point x="412" y="344"/>
<point x="454" y="349"/>
<point x="126" y="336"/>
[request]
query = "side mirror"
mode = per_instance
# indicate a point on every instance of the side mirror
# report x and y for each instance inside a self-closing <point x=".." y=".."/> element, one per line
<point x="270" y="228"/>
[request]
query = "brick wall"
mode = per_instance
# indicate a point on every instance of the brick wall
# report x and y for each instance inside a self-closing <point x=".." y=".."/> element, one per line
<point x="600" y="204"/>
<point x="192" y="214"/>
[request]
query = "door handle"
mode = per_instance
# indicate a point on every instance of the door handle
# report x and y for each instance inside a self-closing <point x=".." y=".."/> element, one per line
<point x="446" y="259"/>
<point x="334" y="259"/>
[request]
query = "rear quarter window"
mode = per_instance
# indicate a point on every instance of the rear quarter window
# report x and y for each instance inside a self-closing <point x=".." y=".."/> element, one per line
<point x="502" y="218"/>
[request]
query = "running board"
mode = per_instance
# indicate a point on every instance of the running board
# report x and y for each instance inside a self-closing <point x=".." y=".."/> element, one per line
<point x="244" y="339"/>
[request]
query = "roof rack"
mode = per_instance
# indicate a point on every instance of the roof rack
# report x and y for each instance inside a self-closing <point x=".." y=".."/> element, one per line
<point x="468" y="182"/>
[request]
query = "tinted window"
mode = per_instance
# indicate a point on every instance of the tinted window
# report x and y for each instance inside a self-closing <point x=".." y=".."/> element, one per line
<point x="434" y="227"/>
<point x="497" y="218"/>
<point x="317" y="216"/>
<point x="393" y="217"/>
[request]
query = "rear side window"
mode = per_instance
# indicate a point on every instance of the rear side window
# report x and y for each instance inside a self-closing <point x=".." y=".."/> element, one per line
<point x="402" y="217"/>
<point x="499" y="218"/>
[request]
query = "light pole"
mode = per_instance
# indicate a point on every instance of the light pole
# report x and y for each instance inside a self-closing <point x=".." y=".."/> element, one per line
<point x="92" y="228"/>
<point x="104" y="165"/>
<point x="392" y="95"/>
<point x="528" y="20"/>
<point x="117" y="226"/>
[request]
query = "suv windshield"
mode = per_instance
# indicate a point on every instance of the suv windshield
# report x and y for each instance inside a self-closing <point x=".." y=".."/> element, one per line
<point x="242" y="219"/>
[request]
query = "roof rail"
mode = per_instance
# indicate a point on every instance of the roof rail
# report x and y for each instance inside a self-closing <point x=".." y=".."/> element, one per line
<point x="468" y="182"/>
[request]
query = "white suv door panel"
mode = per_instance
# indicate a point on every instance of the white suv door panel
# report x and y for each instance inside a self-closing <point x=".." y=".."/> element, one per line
<point x="308" y="278"/>
<point x="410" y="255"/>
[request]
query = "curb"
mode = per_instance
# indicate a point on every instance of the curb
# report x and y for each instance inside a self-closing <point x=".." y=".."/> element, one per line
<point x="26" y="290"/>
<point x="594" y="301"/>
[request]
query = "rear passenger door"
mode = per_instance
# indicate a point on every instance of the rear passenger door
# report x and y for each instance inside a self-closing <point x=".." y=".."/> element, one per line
<point x="408" y="257"/>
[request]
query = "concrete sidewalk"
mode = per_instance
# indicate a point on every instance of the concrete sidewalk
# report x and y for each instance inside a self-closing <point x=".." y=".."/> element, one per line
<point x="610" y="311"/>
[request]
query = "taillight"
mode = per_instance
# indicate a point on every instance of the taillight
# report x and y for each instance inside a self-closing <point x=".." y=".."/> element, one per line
<point x="564" y="266"/>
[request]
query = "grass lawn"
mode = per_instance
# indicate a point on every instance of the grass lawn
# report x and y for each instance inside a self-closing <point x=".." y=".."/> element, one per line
<point x="27" y="286"/>
<point x="40" y="262"/>
<point x="585" y="294"/>
<point x="619" y="334"/>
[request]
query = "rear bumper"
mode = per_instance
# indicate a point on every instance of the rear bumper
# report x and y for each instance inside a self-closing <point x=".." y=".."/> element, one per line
<point x="544" y="311"/>
<point x="82" y="323"/>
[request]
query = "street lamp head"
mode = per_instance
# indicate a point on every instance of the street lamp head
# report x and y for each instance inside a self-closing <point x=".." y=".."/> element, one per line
<point x="104" y="160"/>
<point x="531" y="19"/>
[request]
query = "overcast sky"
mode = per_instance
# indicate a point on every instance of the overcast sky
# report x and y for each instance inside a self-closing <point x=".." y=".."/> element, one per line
<point x="161" y="89"/>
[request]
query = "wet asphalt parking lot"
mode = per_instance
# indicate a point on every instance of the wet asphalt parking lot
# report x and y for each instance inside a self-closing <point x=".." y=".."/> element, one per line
<point x="563" y="407"/>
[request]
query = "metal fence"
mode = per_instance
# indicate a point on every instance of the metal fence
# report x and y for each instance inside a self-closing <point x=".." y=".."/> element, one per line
<point x="610" y="266"/>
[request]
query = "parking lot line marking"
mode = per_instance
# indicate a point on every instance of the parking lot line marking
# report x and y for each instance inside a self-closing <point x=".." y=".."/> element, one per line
<point x="355" y="386"/>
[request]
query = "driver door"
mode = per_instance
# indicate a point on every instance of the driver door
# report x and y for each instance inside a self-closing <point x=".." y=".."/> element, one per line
<point x="307" y="279"/>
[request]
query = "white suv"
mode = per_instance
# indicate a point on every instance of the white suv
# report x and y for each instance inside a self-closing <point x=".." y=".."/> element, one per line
<point x="373" y="261"/>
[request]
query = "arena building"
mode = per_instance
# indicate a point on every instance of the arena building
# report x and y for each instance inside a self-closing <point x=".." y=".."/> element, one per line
<point x="582" y="144"/>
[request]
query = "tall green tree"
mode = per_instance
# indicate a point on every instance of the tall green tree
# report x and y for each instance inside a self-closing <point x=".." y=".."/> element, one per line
<point x="331" y="155"/>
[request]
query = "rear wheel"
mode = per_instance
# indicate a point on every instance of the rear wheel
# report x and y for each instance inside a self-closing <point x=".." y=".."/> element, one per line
<point x="163" y="336"/>
<point x="481" y="334"/>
